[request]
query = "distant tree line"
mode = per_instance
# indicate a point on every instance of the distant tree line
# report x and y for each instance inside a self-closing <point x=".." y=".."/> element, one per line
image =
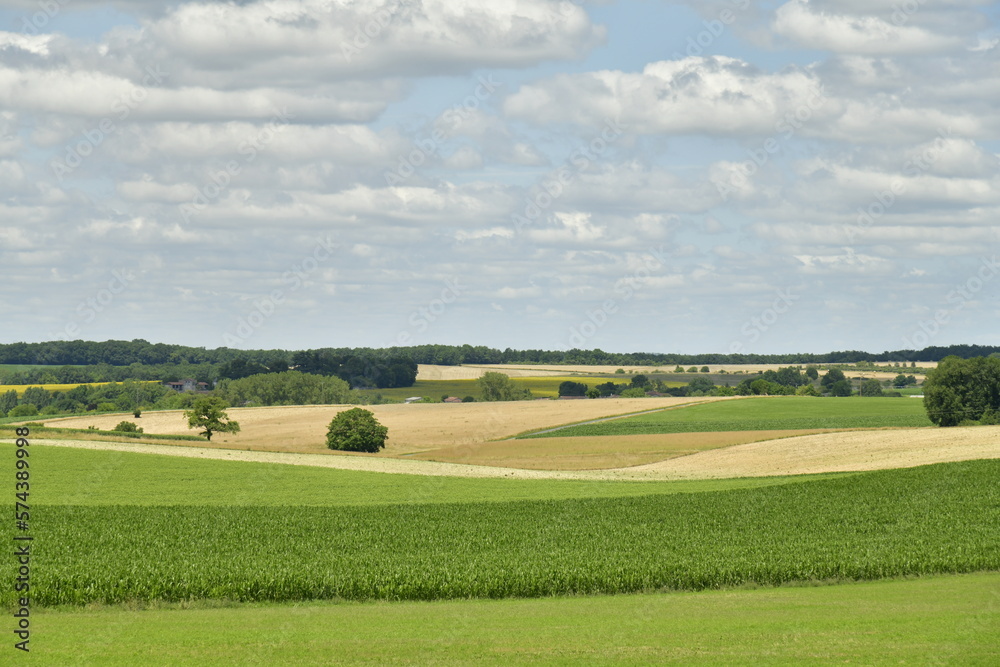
<point x="138" y="351"/>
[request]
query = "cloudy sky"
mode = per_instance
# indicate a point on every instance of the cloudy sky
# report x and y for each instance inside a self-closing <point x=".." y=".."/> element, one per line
<point x="721" y="176"/>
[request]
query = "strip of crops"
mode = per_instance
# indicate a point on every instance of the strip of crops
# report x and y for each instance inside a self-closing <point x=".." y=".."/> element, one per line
<point x="934" y="519"/>
<point x="762" y="414"/>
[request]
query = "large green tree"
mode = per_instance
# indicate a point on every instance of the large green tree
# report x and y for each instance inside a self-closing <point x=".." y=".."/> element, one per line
<point x="356" y="430"/>
<point x="209" y="414"/>
<point x="963" y="389"/>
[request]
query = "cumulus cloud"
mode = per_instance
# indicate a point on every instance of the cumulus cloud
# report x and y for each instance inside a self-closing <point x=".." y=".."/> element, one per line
<point x="889" y="31"/>
<point x="714" y="95"/>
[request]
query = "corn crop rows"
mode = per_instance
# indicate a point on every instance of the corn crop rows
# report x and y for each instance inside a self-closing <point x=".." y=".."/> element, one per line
<point x="934" y="519"/>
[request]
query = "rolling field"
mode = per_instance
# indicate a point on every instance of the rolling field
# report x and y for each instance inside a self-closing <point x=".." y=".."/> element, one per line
<point x="231" y="561"/>
<point x="411" y="427"/>
<point x="87" y="477"/>
<point x="764" y="413"/>
<point x="944" y="619"/>
<point x="933" y="519"/>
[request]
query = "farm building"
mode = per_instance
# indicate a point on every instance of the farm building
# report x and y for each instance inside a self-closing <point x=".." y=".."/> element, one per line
<point x="187" y="385"/>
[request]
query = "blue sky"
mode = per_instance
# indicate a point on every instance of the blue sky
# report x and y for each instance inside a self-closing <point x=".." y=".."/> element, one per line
<point x="724" y="176"/>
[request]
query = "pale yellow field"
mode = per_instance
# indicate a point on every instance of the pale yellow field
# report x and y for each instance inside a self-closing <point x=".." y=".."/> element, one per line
<point x="594" y="452"/>
<point x="836" y="452"/>
<point x="412" y="428"/>
<point x="19" y="388"/>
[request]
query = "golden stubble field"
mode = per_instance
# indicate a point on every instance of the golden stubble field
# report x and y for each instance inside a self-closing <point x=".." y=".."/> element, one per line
<point x="412" y="428"/>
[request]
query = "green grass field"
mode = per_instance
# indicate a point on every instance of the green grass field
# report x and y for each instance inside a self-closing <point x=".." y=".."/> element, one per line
<point x="940" y="620"/>
<point x="762" y="414"/>
<point x="934" y="519"/>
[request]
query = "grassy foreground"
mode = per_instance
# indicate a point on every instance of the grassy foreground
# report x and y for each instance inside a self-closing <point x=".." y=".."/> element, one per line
<point x="939" y="620"/>
<point x="934" y="519"/>
<point x="763" y="414"/>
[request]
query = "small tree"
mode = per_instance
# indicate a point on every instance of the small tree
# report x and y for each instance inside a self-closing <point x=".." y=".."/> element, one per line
<point x="209" y="414"/>
<point x="704" y="369"/>
<point x="356" y="430"/>
<point x="832" y="376"/>
<point x="841" y="388"/>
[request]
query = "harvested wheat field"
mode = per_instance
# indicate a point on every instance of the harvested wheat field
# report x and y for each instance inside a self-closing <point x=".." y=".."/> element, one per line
<point x="411" y="427"/>
<point x="595" y="452"/>
<point x="835" y="452"/>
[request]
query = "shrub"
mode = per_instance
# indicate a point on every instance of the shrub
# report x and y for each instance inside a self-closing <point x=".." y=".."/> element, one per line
<point x="107" y="407"/>
<point x="127" y="427"/>
<point x="26" y="410"/>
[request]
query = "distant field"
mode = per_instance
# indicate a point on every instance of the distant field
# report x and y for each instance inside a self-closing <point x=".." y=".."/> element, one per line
<point x="434" y="390"/>
<point x="882" y="373"/>
<point x="764" y="414"/>
<point x="934" y="519"/>
<point x="20" y="388"/>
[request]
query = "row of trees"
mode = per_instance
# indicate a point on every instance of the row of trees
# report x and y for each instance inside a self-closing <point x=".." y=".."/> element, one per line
<point x="124" y="353"/>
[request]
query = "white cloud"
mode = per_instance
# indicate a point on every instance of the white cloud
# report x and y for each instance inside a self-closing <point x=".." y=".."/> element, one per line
<point x="715" y="95"/>
<point x="862" y="33"/>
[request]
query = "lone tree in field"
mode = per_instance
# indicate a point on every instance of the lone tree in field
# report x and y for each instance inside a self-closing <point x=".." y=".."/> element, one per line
<point x="209" y="414"/>
<point x="963" y="389"/>
<point x="356" y="430"/>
